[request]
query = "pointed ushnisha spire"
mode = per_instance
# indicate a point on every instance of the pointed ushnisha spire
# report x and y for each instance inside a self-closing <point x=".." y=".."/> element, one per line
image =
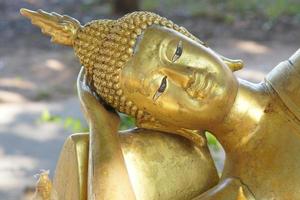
<point x="61" y="28"/>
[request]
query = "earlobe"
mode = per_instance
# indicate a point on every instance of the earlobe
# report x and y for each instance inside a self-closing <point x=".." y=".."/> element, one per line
<point x="234" y="65"/>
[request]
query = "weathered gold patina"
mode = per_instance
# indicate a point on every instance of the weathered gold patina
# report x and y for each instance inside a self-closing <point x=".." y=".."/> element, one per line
<point x="148" y="67"/>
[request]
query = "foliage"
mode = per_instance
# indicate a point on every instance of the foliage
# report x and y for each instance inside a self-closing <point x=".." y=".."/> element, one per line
<point x="212" y="141"/>
<point x="47" y="117"/>
<point x="127" y="122"/>
<point x="76" y="125"/>
<point x="69" y="123"/>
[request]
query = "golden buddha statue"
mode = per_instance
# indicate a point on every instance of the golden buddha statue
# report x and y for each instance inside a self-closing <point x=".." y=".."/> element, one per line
<point x="135" y="164"/>
<point x="148" y="67"/>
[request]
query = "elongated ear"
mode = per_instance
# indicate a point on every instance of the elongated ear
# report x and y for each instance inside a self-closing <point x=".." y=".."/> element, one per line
<point x="234" y="65"/>
<point x="61" y="28"/>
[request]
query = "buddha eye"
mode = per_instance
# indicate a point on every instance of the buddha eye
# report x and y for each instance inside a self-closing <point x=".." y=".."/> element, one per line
<point x="178" y="51"/>
<point x="161" y="89"/>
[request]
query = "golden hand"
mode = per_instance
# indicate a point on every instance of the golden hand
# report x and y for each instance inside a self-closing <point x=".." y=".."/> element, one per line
<point x="93" y="106"/>
<point x="107" y="163"/>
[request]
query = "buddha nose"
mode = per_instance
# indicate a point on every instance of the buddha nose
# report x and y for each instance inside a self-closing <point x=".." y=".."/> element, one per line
<point x="181" y="75"/>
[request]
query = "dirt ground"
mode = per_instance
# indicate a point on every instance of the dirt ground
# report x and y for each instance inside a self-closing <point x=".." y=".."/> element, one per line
<point x="36" y="75"/>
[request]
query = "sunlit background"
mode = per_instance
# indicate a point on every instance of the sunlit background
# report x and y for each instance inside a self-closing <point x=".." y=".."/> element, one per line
<point x="38" y="103"/>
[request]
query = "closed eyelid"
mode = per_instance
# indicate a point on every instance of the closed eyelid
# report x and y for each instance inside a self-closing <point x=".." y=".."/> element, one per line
<point x="178" y="51"/>
<point x="161" y="89"/>
<point x="169" y="48"/>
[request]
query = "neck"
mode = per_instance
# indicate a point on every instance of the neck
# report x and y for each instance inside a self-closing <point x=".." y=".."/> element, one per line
<point x="241" y="123"/>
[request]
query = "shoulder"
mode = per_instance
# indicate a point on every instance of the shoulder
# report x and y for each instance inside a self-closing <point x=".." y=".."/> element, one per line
<point x="295" y="59"/>
<point x="285" y="80"/>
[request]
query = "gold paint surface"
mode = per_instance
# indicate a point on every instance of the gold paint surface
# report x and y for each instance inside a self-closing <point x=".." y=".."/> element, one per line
<point x="241" y="194"/>
<point x="105" y="46"/>
<point x="153" y="172"/>
<point x="70" y="180"/>
<point x="198" y="82"/>
<point x="154" y="162"/>
<point x="148" y="67"/>
<point x="175" y="169"/>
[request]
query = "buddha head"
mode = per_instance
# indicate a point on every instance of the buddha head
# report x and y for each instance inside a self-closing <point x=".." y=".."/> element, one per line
<point x="148" y="67"/>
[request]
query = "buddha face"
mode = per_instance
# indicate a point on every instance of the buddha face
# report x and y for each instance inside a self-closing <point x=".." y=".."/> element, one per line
<point x="177" y="80"/>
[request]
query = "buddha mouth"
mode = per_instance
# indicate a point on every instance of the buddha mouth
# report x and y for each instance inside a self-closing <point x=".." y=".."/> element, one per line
<point x="200" y="85"/>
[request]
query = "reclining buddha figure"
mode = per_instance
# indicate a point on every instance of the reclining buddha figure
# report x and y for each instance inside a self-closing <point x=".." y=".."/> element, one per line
<point x="171" y="82"/>
<point x="143" y="163"/>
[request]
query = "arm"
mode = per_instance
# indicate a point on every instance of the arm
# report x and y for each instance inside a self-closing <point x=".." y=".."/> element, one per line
<point x="107" y="177"/>
<point x="284" y="79"/>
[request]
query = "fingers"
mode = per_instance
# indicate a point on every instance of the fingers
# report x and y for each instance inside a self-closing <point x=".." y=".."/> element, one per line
<point x="82" y="87"/>
<point x="85" y="91"/>
<point x="94" y="108"/>
<point x="85" y="94"/>
<point x="80" y="77"/>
